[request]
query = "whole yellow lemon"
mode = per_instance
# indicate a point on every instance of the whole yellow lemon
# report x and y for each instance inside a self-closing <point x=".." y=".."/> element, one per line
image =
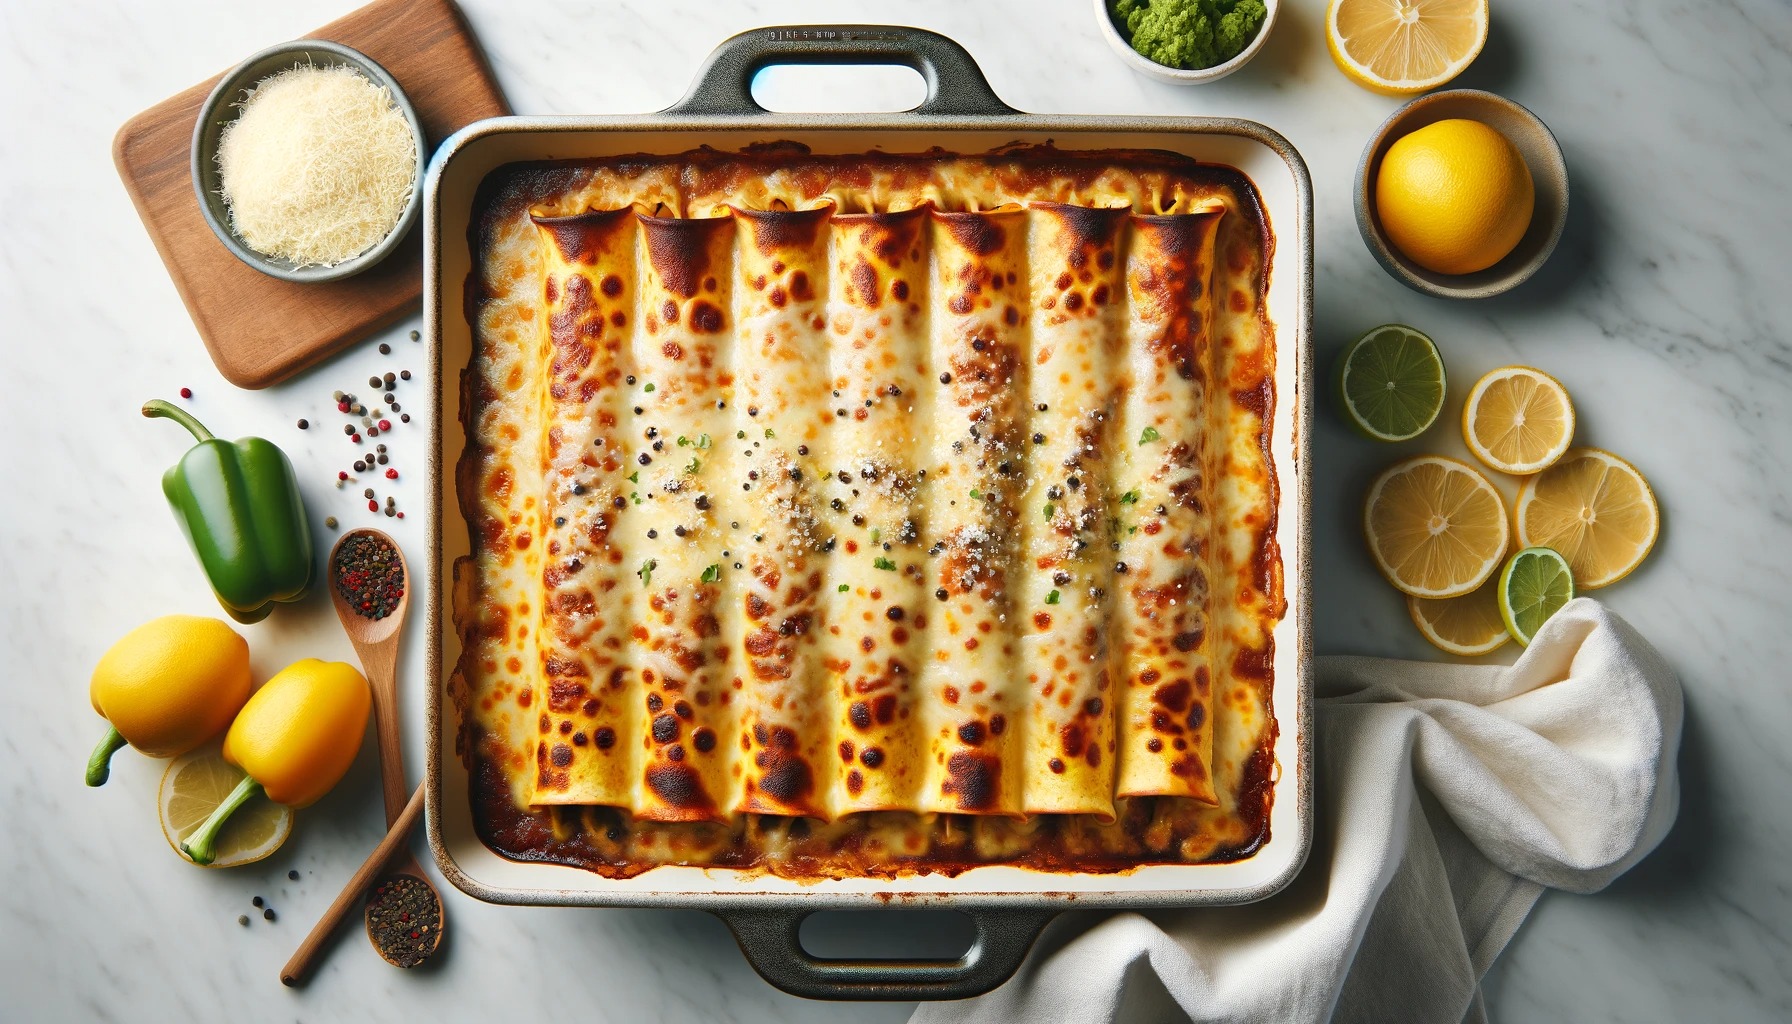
<point x="1454" y="196"/>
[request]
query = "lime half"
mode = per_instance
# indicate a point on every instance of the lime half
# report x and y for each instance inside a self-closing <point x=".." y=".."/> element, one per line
<point x="1391" y="383"/>
<point x="1534" y="585"/>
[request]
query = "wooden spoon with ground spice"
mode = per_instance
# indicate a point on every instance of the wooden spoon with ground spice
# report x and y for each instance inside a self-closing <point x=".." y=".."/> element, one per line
<point x="369" y="585"/>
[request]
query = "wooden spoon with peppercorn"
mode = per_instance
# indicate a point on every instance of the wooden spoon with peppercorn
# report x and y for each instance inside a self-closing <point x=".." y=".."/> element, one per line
<point x="369" y="587"/>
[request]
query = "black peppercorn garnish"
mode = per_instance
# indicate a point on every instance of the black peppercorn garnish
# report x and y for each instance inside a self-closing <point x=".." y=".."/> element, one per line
<point x="349" y="429"/>
<point x="795" y="473"/>
<point x="1040" y="407"/>
<point x="578" y="488"/>
<point x="293" y="874"/>
<point x="619" y="501"/>
<point x="945" y="378"/>
<point x="1120" y="567"/>
<point x="702" y="503"/>
<point x="893" y="613"/>
<point x="390" y="378"/>
<point x="802" y="449"/>
<point x="644" y="459"/>
<point x="837" y="505"/>
<point x="941" y="593"/>
<point x="304" y="424"/>
<point x="385" y="349"/>
<point x="678" y="531"/>
<point x="653" y="535"/>
<point x="406" y="418"/>
<point x="404" y="375"/>
<point x="1074" y="482"/>
<point x="360" y="467"/>
<point x="404" y="919"/>
<point x="1038" y="438"/>
<point x="255" y="901"/>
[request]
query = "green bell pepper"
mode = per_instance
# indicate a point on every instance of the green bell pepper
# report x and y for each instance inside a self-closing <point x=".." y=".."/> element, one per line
<point x="239" y="505"/>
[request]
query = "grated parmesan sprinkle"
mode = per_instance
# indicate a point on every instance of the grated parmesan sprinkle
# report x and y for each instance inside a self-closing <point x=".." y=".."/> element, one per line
<point x="318" y="167"/>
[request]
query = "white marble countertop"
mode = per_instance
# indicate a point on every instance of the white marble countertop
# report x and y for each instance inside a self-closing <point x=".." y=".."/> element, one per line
<point x="1664" y="311"/>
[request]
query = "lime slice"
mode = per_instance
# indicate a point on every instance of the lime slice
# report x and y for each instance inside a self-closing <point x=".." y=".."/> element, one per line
<point x="1534" y="585"/>
<point x="194" y="785"/>
<point x="1391" y="383"/>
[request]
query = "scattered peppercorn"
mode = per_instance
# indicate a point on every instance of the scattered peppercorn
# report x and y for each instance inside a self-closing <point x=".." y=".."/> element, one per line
<point x="330" y="521"/>
<point x="391" y="474"/>
<point x="404" y="375"/>
<point x="186" y="392"/>
<point x="243" y="919"/>
<point x="268" y="914"/>
<point x="304" y="424"/>
<point x="373" y="382"/>
<point x="406" y="418"/>
<point x="416" y="336"/>
<point x="293" y="874"/>
<point x="385" y="349"/>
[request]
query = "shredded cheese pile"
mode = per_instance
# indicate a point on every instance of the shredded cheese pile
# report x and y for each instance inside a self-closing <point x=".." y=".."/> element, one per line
<point x="318" y="167"/>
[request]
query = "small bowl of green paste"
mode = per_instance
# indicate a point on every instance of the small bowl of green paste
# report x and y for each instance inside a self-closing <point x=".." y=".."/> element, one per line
<point x="1186" y="41"/>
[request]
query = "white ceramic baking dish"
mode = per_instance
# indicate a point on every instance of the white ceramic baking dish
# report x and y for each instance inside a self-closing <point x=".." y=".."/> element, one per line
<point x="1010" y="905"/>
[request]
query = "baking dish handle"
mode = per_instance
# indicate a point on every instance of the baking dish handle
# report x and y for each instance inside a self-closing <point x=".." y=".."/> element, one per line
<point x="770" y="941"/>
<point x="955" y="85"/>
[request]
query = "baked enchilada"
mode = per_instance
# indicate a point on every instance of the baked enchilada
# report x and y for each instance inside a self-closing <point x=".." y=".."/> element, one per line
<point x="867" y="515"/>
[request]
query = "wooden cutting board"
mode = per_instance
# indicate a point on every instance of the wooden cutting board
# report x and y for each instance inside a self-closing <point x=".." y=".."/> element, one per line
<point x="261" y="330"/>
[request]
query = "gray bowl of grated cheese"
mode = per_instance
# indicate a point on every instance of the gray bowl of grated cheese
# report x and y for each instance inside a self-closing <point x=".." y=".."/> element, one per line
<point x="308" y="162"/>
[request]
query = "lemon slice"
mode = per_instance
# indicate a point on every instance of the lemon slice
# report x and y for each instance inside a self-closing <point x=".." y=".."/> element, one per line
<point x="1534" y="585"/>
<point x="1518" y="420"/>
<point x="194" y="785"/>
<point x="1595" y="509"/>
<point x="1398" y="47"/>
<point x="1391" y="383"/>
<point x="1468" y="626"/>
<point x="1435" y="526"/>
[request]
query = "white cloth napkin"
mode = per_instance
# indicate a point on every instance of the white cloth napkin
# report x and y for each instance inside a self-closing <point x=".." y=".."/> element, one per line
<point x="1449" y="798"/>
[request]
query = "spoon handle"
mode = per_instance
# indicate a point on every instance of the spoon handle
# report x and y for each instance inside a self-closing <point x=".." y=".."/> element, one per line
<point x="380" y="661"/>
<point x="311" y="950"/>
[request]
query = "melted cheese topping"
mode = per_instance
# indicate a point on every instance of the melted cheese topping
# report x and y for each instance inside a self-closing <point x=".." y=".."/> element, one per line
<point x="846" y="515"/>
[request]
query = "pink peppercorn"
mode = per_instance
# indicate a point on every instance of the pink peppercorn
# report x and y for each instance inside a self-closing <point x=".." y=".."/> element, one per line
<point x="186" y="392"/>
<point x="391" y="474"/>
<point x="385" y="424"/>
<point x="373" y="505"/>
<point x="342" y="474"/>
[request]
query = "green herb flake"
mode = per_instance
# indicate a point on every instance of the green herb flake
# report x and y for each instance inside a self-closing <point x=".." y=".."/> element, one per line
<point x="876" y="535"/>
<point x="646" y="572"/>
<point x="880" y="562"/>
<point x="976" y="495"/>
<point x="712" y="573"/>
<point x="1051" y="598"/>
<point x="695" y="467"/>
<point x="1050" y="510"/>
<point x="635" y="477"/>
<point x="683" y="441"/>
<point x="1148" y="435"/>
<point x="635" y="496"/>
<point x="740" y="435"/>
<point x="844" y="588"/>
<point x="648" y="388"/>
<point x="703" y="440"/>
<point x="1130" y="498"/>
<point x="769" y="435"/>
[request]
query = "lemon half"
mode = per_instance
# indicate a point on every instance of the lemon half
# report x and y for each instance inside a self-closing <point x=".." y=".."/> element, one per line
<point x="1400" y="47"/>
